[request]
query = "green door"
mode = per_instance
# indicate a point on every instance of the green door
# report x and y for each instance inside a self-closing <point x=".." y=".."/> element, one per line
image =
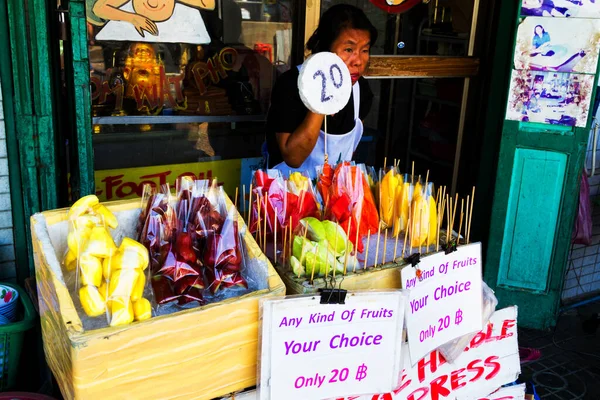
<point x="536" y="192"/>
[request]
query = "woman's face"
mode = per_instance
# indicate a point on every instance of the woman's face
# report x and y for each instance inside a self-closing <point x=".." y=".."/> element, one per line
<point x="539" y="30"/>
<point x="352" y="46"/>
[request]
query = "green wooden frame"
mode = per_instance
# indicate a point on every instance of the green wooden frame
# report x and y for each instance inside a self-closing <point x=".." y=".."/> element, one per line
<point x="27" y="87"/>
<point x="540" y="306"/>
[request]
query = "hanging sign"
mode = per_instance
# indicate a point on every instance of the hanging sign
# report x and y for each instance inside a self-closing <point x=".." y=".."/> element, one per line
<point x="445" y="299"/>
<point x="318" y="351"/>
<point x="490" y="360"/>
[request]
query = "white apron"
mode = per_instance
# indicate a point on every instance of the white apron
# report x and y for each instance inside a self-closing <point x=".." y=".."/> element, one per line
<point x="339" y="147"/>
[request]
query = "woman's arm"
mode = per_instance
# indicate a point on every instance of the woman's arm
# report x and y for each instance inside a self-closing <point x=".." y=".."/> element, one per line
<point x="296" y="147"/>
<point x="109" y="10"/>
<point x="204" y="4"/>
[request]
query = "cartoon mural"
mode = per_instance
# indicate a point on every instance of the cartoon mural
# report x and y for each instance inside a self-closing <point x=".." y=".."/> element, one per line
<point x="558" y="45"/>
<point x="170" y="21"/>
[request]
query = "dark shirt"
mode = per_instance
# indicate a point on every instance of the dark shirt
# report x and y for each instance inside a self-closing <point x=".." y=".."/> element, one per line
<point x="288" y="111"/>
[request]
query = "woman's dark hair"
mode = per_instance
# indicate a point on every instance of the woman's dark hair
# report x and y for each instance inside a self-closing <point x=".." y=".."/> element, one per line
<point x="334" y="21"/>
<point x="535" y="29"/>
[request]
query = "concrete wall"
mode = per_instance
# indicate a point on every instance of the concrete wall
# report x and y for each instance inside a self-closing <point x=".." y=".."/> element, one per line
<point x="7" y="247"/>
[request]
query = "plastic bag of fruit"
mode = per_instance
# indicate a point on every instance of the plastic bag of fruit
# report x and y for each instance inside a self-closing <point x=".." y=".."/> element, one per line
<point x="169" y="234"/>
<point x="223" y="253"/>
<point x="109" y="280"/>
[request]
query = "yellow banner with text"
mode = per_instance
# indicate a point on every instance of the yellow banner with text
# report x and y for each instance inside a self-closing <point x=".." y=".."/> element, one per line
<point x="127" y="183"/>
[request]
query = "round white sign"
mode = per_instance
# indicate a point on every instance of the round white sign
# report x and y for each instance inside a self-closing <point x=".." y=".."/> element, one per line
<point x="324" y="83"/>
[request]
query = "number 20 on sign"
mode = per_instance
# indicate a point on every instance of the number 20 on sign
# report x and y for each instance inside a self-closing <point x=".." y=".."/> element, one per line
<point x="312" y="351"/>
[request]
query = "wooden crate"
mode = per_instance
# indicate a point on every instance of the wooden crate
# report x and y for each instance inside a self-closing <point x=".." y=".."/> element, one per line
<point x="382" y="277"/>
<point x="201" y="353"/>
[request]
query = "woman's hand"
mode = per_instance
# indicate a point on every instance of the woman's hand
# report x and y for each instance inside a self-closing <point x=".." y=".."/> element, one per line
<point x="142" y="24"/>
<point x="295" y="147"/>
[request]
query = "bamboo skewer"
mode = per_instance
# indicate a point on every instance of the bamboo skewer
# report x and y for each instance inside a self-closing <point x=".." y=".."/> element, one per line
<point x="258" y="221"/>
<point x="312" y="274"/>
<point x="420" y="228"/>
<point x="470" y="215"/>
<point x="236" y="197"/>
<point x="367" y="249"/>
<point x="356" y="244"/>
<point x="265" y="231"/>
<point x="440" y="217"/>
<point x="249" y="205"/>
<point x="405" y="236"/>
<point x="426" y="181"/>
<point x="412" y="174"/>
<point x="335" y="250"/>
<point x="377" y="250"/>
<point x="454" y="210"/>
<point x="384" y="164"/>
<point x="461" y="221"/>
<point x="290" y="243"/>
<point x="449" y="210"/>
<point x="347" y="249"/>
<point x="243" y="201"/>
<point x="284" y="251"/>
<point x="467" y="217"/>
<point x="396" y="244"/>
<point x="275" y="239"/>
<point x="385" y="236"/>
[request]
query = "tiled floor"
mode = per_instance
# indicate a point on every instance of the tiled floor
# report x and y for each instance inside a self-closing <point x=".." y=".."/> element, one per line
<point x="569" y="368"/>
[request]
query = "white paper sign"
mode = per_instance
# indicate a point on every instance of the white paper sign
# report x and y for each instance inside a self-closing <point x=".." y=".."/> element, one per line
<point x="446" y="303"/>
<point x="317" y="351"/>
<point x="490" y="361"/>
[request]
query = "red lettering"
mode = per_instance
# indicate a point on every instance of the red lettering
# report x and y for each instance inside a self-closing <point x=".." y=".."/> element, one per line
<point x="96" y="83"/>
<point x="146" y="95"/>
<point x="478" y="340"/>
<point x="438" y="389"/>
<point x="423" y="393"/>
<point x="217" y="72"/>
<point x="491" y="362"/>
<point x="432" y="362"/>
<point x="133" y="188"/>
<point x="455" y="378"/>
<point x="110" y="183"/>
<point x="162" y="177"/>
<point x="223" y="59"/>
<point x="472" y="367"/>
<point x="403" y="383"/>
<point x="508" y="323"/>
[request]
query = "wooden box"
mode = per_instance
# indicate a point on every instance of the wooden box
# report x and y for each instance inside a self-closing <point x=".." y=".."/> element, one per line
<point x="200" y="353"/>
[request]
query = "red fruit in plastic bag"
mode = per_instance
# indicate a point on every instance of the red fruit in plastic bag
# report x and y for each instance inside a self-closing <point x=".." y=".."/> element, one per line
<point x="192" y="294"/>
<point x="163" y="289"/>
<point x="174" y="268"/>
<point x="187" y="282"/>
<point x="185" y="248"/>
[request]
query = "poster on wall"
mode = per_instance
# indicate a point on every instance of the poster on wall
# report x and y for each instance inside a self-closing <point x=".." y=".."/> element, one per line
<point x="159" y="21"/>
<point x="561" y="8"/>
<point x="544" y="45"/>
<point x="550" y="97"/>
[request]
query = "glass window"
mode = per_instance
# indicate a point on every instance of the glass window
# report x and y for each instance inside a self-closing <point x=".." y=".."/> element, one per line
<point x="184" y="85"/>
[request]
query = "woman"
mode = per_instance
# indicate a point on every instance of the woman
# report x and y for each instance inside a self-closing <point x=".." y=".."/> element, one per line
<point x="540" y="37"/>
<point x="295" y="135"/>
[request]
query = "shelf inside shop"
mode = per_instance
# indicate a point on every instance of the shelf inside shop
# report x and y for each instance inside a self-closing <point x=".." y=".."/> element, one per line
<point x="436" y="37"/>
<point x="430" y="159"/>
<point x="174" y="119"/>
<point x="436" y="100"/>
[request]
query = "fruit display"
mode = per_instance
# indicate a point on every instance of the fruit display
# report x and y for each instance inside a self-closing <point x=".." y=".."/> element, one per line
<point x="111" y="280"/>
<point x="292" y="198"/>
<point x="321" y="248"/>
<point x="348" y="199"/>
<point x="194" y="243"/>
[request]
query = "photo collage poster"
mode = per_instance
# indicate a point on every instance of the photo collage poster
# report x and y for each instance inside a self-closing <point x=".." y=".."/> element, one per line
<point x="556" y="57"/>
